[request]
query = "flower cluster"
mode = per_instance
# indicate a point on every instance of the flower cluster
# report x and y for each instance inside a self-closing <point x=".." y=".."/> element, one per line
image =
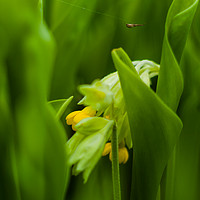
<point x="104" y="109"/>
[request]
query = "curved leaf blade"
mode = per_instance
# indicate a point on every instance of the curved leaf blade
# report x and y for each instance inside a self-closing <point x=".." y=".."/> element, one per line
<point x="178" y="22"/>
<point x="60" y="105"/>
<point x="155" y="129"/>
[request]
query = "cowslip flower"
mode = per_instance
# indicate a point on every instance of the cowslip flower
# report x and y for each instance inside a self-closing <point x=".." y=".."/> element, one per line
<point x="76" y="116"/>
<point x="105" y="108"/>
<point x="122" y="151"/>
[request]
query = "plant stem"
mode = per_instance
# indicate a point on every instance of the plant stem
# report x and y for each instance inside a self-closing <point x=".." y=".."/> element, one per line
<point x="115" y="166"/>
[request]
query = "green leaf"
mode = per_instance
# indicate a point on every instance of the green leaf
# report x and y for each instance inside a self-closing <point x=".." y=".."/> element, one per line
<point x="170" y="80"/>
<point x="33" y="141"/>
<point x="60" y="105"/>
<point x="185" y="180"/>
<point x="155" y="129"/>
<point x="178" y="22"/>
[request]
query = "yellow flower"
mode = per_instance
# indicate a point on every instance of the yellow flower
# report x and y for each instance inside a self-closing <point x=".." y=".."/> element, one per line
<point x="122" y="151"/>
<point x="75" y="117"/>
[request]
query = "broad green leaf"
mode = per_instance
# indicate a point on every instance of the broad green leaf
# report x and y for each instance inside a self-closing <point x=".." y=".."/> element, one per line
<point x="33" y="141"/>
<point x="186" y="181"/>
<point x="178" y="22"/>
<point x="170" y="80"/>
<point x="155" y="129"/>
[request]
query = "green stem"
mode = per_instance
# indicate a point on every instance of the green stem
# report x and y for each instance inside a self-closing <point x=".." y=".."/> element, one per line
<point x="115" y="166"/>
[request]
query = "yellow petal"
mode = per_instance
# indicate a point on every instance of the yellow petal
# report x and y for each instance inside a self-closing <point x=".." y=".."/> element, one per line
<point x="123" y="155"/>
<point x="70" y="117"/>
<point x="79" y="117"/>
<point x="126" y="155"/>
<point x="110" y="156"/>
<point x="89" y="111"/>
<point x="107" y="149"/>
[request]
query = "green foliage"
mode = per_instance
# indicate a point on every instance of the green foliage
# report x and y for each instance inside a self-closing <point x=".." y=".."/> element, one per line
<point x="186" y="182"/>
<point x="154" y="142"/>
<point x="33" y="159"/>
<point x="170" y="82"/>
<point x="49" y="47"/>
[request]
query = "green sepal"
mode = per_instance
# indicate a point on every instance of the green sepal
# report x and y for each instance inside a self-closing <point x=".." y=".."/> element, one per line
<point x="86" y="150"/>
<point x="96" y="95"/>
<point x="91" y="125"/>
<point x="73" y="142"/>
<point x="123" y="130"/>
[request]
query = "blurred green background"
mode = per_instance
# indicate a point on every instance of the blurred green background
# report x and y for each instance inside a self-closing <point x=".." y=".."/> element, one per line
<point x="40" y="62"/>
<point x="87" y="31"/>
